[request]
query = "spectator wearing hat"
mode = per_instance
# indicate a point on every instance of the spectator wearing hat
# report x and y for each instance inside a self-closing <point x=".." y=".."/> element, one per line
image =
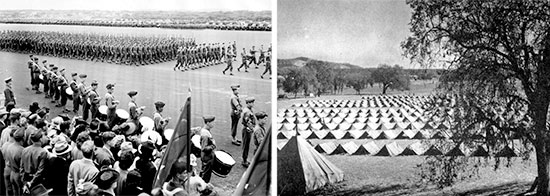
<point x="107" y="182"/>
<point x="160" y="121"/>
<point x="112" y="104"/>
<point x="8" y="93"/>
<point x="104" y="156"/>
<point x="236" y="111"/>
<point x="33" y="162"/>
<point x="144" y="165"/>
<point x="126" y="160"/>
<point x="208" y="145"/>
<point x="93" y="99"/>
<point x="249" y="122"/>
<point x="82" y="169"/>
<point x="12" y="155"/>
<point x="259" y="129"/>
<point x="74" y="85"/>
<point x="57" y="168"/>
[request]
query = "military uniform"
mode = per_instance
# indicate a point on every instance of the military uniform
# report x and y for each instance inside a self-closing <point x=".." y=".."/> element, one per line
<point x="249" y="122"/>
<point x="8" y="93"/>
<point x="208" y="145"/>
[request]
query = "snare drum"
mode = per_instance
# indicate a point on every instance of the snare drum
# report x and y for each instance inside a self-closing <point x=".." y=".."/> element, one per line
<point x="121" y="116"/>
<point x="102" y="113"/>
<point x="223" y="163"/>
<point x="196" y="147"/>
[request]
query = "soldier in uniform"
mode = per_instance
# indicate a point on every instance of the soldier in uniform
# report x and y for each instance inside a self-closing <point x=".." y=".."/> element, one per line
<point x="93" y="99"/>
<point x="249" y="122"/>
<point x="133" y="109"/>
<point x="267" y="65"/>
<point x="76" y="93"/>
<point x="236" y="110"/>
<point x="83" y="91"/>
<point x="259" y="130"/>
<point x="229" y="67"/>
<point x="244" y="64"/>
<point x="8" y="93"/>
<point x="253" y="57"/>
<point x="12" y="154"/>
<point x="112" y="104"/>
<point x="160" y="121"/>
<point x="208" y="145"/>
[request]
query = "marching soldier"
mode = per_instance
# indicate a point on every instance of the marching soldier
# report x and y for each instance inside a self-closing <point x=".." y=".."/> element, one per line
<point x="249" y="122"/>
<point x="244" y="64"/>
<point x="267" y="65"/>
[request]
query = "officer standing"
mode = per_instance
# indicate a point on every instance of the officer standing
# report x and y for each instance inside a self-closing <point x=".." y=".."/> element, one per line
<point x="112" y="104"/>
<point x="8" y="93"/>
<point x="208" y="145"/>
<point x="249" y="122"/>
<point x="76" y="93"/>
<point x="160" y="121"/>
<point x="236" y="110"/>
<point x="93" y="100"/>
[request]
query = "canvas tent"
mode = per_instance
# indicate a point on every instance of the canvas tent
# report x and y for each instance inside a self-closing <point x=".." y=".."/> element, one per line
<point x="303" y="169"/>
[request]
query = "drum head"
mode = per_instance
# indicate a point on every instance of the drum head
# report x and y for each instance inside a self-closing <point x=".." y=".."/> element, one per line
<point x="41" y="77"/>
<point x="88" y="100"/>
<point x="69" y="91"/>
<point x="225" y="158"/>
<point x="103" y="109"/>
<point x="131" y="128"/>
<point x="196" y="140"/>
<point x="123" y="114"/>
<point x="147" y="122"/>
<point x="168" y="134"/>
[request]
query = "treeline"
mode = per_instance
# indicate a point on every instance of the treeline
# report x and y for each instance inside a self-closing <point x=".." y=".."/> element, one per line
<point x="320" y="77"/>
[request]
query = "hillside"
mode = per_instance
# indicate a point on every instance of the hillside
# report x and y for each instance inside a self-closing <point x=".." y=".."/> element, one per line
<point x="303" y="61"/>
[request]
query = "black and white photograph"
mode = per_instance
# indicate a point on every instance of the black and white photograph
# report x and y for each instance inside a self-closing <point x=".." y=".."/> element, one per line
<point x="124" y="97"/>
<point x="412" y="97"/>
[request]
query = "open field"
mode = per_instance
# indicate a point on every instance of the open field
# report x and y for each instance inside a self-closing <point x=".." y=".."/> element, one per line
<point x="210" y="88"/>
<point x="373" y="175"/>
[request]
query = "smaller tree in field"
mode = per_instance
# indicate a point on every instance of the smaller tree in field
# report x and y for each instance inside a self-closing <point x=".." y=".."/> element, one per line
<point x="391" y="78"/>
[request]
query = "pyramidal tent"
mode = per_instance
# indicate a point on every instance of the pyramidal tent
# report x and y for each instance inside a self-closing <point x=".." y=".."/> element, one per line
<point x="301" y="169"/>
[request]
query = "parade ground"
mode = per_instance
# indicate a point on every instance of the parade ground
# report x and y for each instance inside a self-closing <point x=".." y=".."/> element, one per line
<point x="209" y="89"/>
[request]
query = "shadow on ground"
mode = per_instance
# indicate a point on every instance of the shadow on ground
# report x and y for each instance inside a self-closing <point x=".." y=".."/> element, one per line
<point x="512" y="188"/>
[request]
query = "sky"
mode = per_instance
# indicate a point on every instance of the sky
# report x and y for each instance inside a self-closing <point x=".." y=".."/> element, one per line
<point x="135" y="5"/>
<point x="364" y="33"/>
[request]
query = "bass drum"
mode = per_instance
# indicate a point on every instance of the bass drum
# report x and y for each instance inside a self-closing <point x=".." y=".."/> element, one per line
<point x="196" y="145"/>
<point x="121" y="116"/>
<point x="102" y="116"/>
<point x="223" y="163"/>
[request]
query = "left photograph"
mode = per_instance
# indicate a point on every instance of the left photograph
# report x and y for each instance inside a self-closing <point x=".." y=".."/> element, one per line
<point x="136" y="97"/>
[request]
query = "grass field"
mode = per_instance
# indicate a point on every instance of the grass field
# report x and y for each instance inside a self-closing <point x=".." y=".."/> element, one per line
<point x="370" y="175"/>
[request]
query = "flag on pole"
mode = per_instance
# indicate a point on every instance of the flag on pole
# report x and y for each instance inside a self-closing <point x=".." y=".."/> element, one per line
<point x="256" y="180"/>
<point x="178" y="146"/>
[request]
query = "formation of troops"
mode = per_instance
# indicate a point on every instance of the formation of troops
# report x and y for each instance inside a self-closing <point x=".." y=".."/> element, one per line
<point x="202" y="55"/>
<point x="220" y="25"/>
<point x="253" y="56"/>
<point x="102" y="149"/>
<point x="120" y="49"/>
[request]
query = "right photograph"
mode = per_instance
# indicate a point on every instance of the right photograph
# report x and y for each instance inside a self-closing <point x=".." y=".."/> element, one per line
<point x="413" y="97"/>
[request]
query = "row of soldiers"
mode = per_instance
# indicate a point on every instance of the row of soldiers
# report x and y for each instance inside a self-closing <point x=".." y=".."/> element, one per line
<point x="194" y="57"/>
<point x="120" y="49"/>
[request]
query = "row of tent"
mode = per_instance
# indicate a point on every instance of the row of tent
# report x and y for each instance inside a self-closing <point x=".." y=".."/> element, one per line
<point x="345" y="126"/>
<point x="361" y="112"/>
<point x="418" y="148"/>
<point x="352" y="120"/>
<point x="372" y="134"/>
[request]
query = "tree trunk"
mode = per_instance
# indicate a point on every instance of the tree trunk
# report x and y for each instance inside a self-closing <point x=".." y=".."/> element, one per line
<point x="384" y="89"/>
<point x="542" y="169"/>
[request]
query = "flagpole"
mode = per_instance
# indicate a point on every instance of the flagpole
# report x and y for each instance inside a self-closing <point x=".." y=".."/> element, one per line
<point x="188" y="142"/>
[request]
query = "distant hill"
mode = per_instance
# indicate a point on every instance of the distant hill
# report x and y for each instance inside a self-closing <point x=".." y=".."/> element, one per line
<point x="302" y="61"/>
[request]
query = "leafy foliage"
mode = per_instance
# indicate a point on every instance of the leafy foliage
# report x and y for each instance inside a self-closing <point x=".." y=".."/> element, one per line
<point x="391" y="78"/>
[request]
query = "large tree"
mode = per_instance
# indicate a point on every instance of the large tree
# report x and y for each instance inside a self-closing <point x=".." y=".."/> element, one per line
<point x="391" y="77"/>
<point x="498" y="58"/>
<point x="358" y="79"/>
<point x="295" y="79"/>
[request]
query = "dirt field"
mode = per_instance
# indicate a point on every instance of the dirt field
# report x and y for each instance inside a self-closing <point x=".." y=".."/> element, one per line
<point x="370" y="175"/>
<point x="210" y="93"/>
